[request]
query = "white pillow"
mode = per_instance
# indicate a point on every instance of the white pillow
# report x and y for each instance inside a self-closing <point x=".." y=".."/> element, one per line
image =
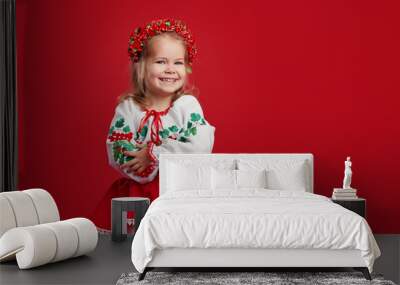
<point x="236" y="179"/>
<point x="183" y="178"/>
<point x="286" y="174"/>
<point x="172" y="174"/>
<point x="206" y="161"/>
<point x="251" y="178"/>
<point x="223" y="179"/>
<point x="289" y="179"/>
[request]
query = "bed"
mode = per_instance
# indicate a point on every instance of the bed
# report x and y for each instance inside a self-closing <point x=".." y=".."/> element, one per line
<point x="247" y="210"/>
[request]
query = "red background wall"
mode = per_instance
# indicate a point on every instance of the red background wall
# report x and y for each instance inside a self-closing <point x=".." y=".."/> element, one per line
<point x="274" y="77"/>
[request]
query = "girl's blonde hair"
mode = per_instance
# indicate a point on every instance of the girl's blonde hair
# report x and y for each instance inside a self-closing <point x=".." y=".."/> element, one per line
<point x="138" y="88"/>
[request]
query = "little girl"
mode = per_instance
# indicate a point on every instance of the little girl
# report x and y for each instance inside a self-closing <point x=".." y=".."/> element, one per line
<point x="160" y="115"/>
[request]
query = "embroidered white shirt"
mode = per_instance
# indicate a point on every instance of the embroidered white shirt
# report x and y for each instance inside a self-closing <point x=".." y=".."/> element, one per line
<point x="183" y="129"/>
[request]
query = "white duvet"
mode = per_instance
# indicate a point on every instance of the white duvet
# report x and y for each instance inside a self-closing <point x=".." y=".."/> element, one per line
<point x="250" y="218"/>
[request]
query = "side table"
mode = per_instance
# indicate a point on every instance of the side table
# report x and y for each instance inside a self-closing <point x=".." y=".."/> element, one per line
<point x="123" y="204"/>
<point x="358" y="205"/>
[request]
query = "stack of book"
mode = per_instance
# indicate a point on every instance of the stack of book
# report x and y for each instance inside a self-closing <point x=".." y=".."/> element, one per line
<point x="344" y="194"/>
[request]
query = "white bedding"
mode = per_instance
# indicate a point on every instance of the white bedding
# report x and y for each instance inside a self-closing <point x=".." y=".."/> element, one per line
<point x="250" y="218"/>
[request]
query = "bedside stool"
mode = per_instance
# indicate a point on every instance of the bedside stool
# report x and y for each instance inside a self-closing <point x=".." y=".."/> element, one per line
<point x="358" y="205"/>
<point x="119" y="207"/>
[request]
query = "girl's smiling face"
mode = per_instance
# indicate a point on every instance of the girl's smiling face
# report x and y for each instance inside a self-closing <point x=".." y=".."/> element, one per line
<point x="165" y="70"/>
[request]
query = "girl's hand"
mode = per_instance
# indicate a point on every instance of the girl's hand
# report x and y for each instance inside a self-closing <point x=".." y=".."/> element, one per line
<point x="139" y="162"/>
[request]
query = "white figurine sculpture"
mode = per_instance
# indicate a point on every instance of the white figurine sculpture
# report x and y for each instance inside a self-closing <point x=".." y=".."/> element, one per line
<point x="347" y="174"/>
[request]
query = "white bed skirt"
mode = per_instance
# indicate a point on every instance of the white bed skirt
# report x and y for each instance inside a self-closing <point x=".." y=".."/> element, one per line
<point x="193" y="257"/>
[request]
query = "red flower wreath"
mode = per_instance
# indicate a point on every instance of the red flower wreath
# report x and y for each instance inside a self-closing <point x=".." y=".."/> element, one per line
<point x="138" y="38"/>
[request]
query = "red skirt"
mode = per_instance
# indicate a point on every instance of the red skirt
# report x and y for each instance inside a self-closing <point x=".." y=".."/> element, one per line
<point x="122" y="187"/>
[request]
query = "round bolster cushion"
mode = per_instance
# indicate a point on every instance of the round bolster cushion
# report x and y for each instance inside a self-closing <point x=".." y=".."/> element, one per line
<point x="40" y="244"/>
<point x="45" y="205"/>
<point x="7" y="218"/>
<point x="26" y="208"/>
<point x="87" y="235"/>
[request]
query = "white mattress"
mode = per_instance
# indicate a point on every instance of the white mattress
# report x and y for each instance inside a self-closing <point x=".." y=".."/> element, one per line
<point x="251" y="219"/>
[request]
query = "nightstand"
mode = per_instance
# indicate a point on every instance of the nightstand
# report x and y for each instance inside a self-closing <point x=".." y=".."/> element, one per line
<point x="119" y="208"/>
<point x="358" y="205"/>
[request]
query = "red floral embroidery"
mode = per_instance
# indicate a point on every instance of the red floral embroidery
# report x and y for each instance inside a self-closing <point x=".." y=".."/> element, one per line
<point x="116" y="136"/>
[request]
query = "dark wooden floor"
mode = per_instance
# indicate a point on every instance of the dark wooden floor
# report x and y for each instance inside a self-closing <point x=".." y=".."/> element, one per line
<point x="106" y="264"/>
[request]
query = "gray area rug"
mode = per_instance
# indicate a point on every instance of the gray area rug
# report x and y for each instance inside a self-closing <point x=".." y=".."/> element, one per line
<point x="269" y="278"/>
